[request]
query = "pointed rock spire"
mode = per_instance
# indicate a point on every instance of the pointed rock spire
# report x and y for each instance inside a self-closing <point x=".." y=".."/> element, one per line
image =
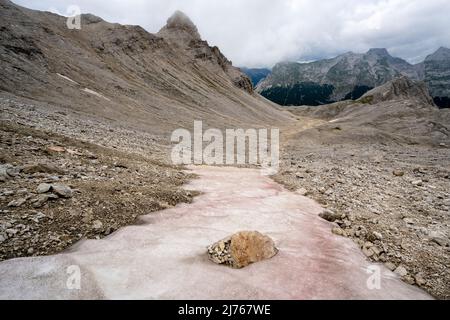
<point x="180" y="25"/>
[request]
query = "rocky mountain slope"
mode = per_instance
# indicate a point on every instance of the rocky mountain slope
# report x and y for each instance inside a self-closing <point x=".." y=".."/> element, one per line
<point x="350" y="75"/>
<point x="155" y="82"/>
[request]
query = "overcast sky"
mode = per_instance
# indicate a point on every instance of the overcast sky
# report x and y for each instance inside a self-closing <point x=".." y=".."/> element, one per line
<point x="257" y="33"/>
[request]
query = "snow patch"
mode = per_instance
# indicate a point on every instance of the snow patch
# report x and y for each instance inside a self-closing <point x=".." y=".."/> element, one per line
<point x="336" y="120"/>
<point x="96" y="94"/>
<point x="67" y="78"/>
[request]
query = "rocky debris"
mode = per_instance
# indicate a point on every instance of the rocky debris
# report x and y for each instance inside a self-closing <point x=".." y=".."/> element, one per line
<point x="417" y="183"/>
<point x="242" y="249"/>
<point x="42" y="199"/>
<point x="374" y="236"/>
<point x="339" y="232"/>
<point x="419" y="280"/>
<point x="393" y="221"/>
<point x="56" y="149"/>
<point x="97" y="225"/>
<point x="441" y="241"/>
<point x="436" y="68"/>
<point x="390" y="266"/>
<point x="8" y="171"/>
<point x="290" y="76"/>
<point x="87" y="172"/>
<point x="180" y="31"/>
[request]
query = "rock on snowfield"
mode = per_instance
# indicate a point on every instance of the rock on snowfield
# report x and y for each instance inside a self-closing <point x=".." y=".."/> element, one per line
<point x="242" y="249"/>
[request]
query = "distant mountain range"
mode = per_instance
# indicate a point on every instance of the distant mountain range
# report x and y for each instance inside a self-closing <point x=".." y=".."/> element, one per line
<point x="155" y="82"/>
<point x="351" y="75"/>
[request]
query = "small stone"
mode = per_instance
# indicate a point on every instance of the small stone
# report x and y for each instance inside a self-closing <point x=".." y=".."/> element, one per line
<point x="401" y="271"/>
<point x="338" y="231"/>
<point x="3" y="172"/>
<point x="440" y="241"/>
<point x="300" y="175"/>
<point x="30" y="251"/>
<point x="11" y="232"/>
<point x="8" y="193"/>
<point x="302" y="192"/>
<point x="242" y="249"/>
<point x="43" y="188"/>
<point x="368" y="252"/>
<point x="409" y="279"/>
<point x="16" y="203"/>
<point x="2" y="238"/>
<point x="330" y="216"/>
<point x="376" y="250"/>
<point x="56" y="149"/>
<point x="97" y="225"/>
<point x="417" y="183"/>
<point x="408" y="221"/>
<point x="377" y="235"/>
<point x="398" y="173"/>
<point x="62" y="191"/>
<point x="42" y="199"/>
<point x="347" y="224"/>
<point x="42" y="168"/>
<point x="419" y="279"/>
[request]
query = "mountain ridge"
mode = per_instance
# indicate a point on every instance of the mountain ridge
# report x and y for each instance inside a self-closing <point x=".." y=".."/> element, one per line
<point x="349" y="76"/>
<point x="125" y="73"/>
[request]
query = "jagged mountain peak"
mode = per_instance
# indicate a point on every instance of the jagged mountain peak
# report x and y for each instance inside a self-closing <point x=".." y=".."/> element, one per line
<point x="180" y="20"/>
<point x="181" y="26"/>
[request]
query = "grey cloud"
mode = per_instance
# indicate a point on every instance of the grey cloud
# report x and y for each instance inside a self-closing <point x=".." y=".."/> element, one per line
<point x="262" y="32"/>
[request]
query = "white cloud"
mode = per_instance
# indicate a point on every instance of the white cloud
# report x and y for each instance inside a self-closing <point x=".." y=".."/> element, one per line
<point x="263" y="32"/>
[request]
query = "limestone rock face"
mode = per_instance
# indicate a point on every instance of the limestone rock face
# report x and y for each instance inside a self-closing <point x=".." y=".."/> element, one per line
<point x="399" y="89"/>
<point x="242" y="249"/>
<point x="181" y="32"/>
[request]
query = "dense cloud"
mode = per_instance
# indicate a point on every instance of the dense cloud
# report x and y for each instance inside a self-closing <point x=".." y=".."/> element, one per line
<point x="263" y="32"/>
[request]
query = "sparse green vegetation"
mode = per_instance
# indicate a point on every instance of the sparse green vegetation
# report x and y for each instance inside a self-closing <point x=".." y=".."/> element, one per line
<point x="366" y="100"/>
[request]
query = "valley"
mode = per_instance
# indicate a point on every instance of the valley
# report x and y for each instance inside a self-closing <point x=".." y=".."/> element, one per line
<point x="87" y="178"/>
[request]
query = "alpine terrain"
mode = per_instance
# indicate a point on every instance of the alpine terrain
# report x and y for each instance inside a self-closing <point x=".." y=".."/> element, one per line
<point x="88" y="183"/>
<point x="351" y="75"/>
